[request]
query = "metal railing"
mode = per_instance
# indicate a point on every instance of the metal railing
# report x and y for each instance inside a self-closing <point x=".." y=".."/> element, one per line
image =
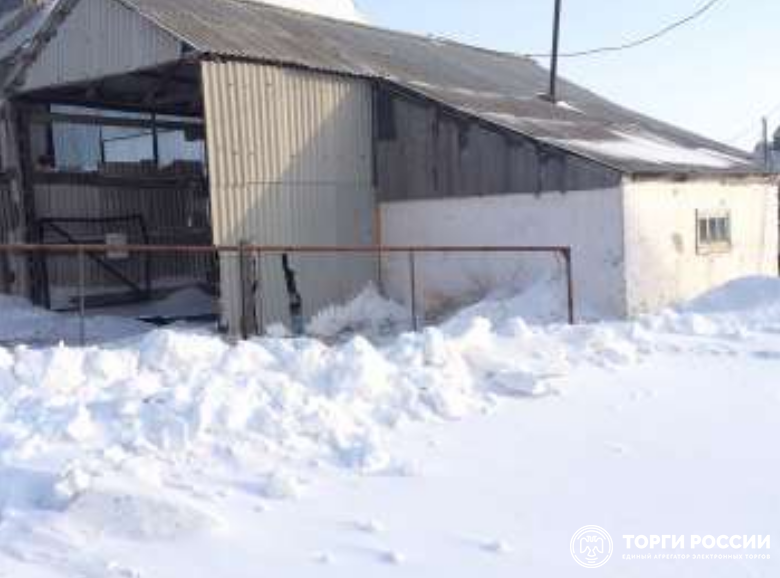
<point x="244" y="250"/>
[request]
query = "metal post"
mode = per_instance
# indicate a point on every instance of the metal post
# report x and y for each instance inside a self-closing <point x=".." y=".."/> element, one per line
<point x="553" y="93"/>
<point x="242" y="282"/>
<point x="569" y="285"/>
<point x="259" y="295"/>
<point x="155" y="141"/>
<point x="82" y="299"/>
<point x="413" y="290"/>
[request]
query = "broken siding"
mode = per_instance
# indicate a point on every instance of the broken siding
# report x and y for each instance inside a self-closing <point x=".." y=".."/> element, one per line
<point x="99" y="38"/>
<point x="435" y="154"/>
<point x="290" y="164"/>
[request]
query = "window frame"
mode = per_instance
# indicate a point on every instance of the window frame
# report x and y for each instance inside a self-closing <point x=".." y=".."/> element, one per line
<point x="714" y="231"/>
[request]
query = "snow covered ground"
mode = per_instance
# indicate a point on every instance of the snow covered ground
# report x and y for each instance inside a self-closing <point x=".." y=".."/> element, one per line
<point x="476" y="448"/>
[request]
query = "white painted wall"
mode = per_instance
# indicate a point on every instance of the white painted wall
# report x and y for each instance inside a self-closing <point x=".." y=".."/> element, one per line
<point x="588" y="221"/>
<point x="663" y="266"/>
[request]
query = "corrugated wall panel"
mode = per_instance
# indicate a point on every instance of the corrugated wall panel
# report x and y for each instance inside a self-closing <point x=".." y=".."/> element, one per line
<point x="170" y="216"/>
<point x="436" y="155"/>
<point x="290" y="163"/>
<point x="98" y="38"/>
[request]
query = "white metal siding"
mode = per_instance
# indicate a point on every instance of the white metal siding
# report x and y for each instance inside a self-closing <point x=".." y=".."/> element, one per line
<point x="290" y="164"/>
<point x="100" y="37"/>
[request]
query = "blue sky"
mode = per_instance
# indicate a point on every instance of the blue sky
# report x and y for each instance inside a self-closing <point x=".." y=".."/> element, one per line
<point x="716" y="76"/>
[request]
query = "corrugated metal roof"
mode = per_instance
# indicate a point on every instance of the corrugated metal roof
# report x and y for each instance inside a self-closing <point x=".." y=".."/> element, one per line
<point x="499" y="88"/>
<point x="17" y="29"/>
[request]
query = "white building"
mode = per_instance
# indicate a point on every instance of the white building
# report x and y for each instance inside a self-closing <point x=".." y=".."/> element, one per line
<point x="324" y="132"/>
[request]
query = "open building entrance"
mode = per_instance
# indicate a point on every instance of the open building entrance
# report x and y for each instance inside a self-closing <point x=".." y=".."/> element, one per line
<point x="120" y="161"/>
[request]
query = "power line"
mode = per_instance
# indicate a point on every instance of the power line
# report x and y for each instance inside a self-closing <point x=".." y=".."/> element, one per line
<point x="751" y="126"/>
<point x="639" y="42"/>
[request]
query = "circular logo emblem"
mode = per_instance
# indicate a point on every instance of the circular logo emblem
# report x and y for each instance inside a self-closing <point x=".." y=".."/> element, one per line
<point x="591" y="547"/>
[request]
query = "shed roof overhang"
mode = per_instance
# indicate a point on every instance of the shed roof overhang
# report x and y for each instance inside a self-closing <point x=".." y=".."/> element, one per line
<point x="172" y="88"/>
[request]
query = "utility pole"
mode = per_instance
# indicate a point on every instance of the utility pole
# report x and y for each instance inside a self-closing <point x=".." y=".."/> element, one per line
<point x="552" y="95"/>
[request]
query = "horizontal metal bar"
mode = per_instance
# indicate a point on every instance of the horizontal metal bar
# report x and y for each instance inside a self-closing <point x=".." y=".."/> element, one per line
<point x="91" y="220"/>
<point x="280" y="249"/>
<point x="118" y="181"/>
<point x="113" y="121"/>
<point x="410" y="250"/>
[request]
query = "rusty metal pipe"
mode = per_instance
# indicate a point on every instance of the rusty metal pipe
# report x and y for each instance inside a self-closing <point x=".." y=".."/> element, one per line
<point x="242" y="250"/>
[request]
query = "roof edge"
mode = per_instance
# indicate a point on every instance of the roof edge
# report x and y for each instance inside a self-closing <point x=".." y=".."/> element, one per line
<point x="682" y="176"/>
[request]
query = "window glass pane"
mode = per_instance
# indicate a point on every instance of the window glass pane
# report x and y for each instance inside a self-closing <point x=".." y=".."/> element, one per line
<point x="713" y="234"/>
<point x="76" y="147"/>
<point x="178" y="146"/>
<point x="127" y="145"/>
<point x="714" y="229"/>
<point x="721" y="229"/>
<point x="83" y="147"/>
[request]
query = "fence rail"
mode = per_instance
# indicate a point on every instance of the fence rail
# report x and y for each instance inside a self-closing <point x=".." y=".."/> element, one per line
<point x="86" y="251"/>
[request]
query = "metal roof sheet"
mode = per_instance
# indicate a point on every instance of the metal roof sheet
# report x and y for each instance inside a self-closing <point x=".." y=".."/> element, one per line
<point x="498" y="88"/>
<point x="17" y="28"/>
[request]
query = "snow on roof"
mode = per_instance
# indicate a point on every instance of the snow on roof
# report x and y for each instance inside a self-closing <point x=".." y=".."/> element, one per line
<point x="498" y="88"/>
<point x="648" y="148"/>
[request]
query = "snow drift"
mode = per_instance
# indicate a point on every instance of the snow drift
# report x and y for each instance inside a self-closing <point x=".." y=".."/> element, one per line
<point x="119" y="438"/>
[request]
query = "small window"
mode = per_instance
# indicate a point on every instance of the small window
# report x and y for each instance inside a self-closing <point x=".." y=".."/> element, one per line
<point x="713" y="231"/>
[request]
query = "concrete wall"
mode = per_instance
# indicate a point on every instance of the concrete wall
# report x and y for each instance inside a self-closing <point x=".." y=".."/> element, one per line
<point x="588" y="221"/>
<point x="663" y="265"/>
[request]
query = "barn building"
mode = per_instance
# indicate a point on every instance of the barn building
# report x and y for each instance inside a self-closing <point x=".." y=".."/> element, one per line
<point x="226" y="121"/>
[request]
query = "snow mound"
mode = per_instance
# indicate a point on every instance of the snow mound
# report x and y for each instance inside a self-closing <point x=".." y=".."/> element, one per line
<point x="542" y="303"/>
<point x="173" y="399"/>
<point x="25" y="323"/>
<point x="158" y="439"/>
<point x="132" y="516"/>
<point x="733" y="310"/>
<point x="368" y="314"/>
<point x="740" y="295"/>
<point x="186" y="302"/>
